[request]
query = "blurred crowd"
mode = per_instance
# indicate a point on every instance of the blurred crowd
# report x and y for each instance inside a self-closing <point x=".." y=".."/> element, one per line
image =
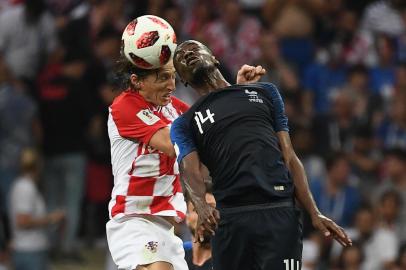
<point x="340" y="66"/>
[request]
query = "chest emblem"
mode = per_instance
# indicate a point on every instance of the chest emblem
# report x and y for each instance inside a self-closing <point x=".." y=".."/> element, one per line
<point x="253" y="96"/>
<point x="147" y="117"/>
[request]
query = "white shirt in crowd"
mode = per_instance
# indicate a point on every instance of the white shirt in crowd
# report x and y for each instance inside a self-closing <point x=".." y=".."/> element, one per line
<point x="26" y="199"/>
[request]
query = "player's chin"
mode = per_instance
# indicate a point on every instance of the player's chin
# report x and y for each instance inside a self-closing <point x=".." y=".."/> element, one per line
<point x="165" y="100"/>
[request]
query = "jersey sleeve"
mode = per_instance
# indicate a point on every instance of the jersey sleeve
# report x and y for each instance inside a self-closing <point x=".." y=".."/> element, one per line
<point x="180" y="106"/>
<point x="181" y="138"/>
<point x="136" y="122"/>
<point x="279" y="116"/>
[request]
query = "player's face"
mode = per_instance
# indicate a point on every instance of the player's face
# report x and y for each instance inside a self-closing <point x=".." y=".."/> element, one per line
<point x="191" y="57"/>
<point x="158" y="88"/>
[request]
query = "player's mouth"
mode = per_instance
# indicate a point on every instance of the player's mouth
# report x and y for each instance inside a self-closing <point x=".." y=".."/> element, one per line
<point x="167" y="97"/>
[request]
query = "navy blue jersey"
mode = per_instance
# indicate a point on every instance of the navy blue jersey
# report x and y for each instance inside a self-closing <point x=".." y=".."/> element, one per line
<point x="234" y="132"/>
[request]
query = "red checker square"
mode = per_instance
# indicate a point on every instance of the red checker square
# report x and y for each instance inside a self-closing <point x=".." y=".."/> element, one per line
<point x="160" y="203"/>
<point x="141" y="186"/>
<point x="119" y="207"/>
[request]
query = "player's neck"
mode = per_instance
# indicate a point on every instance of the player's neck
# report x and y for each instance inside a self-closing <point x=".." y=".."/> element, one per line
<point x="213" y="83"/>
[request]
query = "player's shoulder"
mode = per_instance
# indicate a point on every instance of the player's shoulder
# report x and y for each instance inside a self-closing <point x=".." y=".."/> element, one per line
<point x="128" y="101"/>
<point x="179" y="105"/>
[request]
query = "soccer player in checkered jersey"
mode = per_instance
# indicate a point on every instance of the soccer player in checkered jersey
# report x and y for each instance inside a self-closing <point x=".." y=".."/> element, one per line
<point x="147" y="197"/>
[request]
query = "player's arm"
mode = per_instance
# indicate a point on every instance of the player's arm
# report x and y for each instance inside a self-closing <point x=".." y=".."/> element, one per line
<point x="303" y="194"/>
<point x="139" y="123"/>
<point x="161" y="141"/>
<point x="295" y="166"/>
<point x="192" y="176"/>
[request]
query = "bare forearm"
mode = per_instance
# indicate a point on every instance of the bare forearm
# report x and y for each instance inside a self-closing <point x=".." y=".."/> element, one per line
<point x="302" y="190"/>
<point x="193" y="179"/>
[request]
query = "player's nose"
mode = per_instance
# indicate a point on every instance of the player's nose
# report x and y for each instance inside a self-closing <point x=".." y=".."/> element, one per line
<point x="171" y="84"/>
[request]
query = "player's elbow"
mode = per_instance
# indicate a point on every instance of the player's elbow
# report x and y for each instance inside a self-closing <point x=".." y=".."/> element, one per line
<point x="169" y="150"/>
<point x="171" y="153"/>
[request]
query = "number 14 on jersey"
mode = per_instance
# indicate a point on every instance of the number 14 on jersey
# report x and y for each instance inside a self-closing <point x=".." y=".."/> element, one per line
<point x="200" y="119"/>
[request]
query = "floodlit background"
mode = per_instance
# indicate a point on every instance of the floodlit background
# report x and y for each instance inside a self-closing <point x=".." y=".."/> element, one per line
<point x="340" y="66"/>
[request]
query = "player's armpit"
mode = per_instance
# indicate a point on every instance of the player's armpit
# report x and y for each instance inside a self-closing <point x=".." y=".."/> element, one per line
<point x="161" y="141"/>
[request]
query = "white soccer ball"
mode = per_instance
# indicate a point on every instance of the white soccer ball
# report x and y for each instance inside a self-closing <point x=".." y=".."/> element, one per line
<point x="148" y="42"/>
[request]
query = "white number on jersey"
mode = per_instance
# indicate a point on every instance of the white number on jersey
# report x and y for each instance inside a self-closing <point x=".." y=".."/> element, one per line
<point x="291" y="264"/>
<point x="200" y="119"/>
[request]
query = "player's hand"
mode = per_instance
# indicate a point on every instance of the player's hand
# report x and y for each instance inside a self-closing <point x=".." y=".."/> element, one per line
<point x="249" y="74"/>
<point x="330" y="229"/>
<point x="207" y="220"/>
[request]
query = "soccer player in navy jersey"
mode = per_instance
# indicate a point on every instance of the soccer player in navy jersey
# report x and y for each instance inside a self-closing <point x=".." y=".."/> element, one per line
<point x="240" y="133"/>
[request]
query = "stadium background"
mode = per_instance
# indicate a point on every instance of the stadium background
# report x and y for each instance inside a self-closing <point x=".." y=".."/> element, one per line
<point x="340" y="66"/>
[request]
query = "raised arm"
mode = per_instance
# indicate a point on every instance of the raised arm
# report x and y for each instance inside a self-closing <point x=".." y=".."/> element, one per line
<point x="303" y="194"/>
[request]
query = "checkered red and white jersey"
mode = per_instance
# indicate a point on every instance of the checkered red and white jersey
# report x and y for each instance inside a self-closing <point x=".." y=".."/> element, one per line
<point x="146" y="181"/>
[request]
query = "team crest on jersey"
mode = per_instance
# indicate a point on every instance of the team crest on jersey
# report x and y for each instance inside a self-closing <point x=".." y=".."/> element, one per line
<point x="253" y="96"/>
<point x="152" y="246"/>
<point x="147" y="117"/>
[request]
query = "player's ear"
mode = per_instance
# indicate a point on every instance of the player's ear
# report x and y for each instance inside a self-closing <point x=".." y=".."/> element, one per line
<point x="135" y="82"/>
<point x="184" y="83"/>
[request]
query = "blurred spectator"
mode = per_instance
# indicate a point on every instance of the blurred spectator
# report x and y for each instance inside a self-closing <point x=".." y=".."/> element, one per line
<point x="291" y="21"/>
<point x="234" y="37"/>
<point x="66" y="106"/>
<point x="174" y="15"/>
<point x="27" y="37"/>
<point x="19" y="128"/>
<point x="290" y="18"/>
<point x="383" y="16"/>
<point x="401" y="260"/>
<point x="99" y="179"/>
<point x="382" y="76"/>
<point x="365" y="159"/>
<point x="356" y="45"/>
<point x="379" y="244"/>
<point x="367" y="105"/>
<point x="79" y="35"/>
<point x="29" y="219"/>
<point x="392" y="131"/>
<point x="389" y="207"/>
<point x="351" y="258"/>
<point x="320" y="80"/>
<point x="3" y="246"/>
<point x="311" y="251"/>
<point x="334" y="195"/>
<point x="395" y="179"/>
<point x="277" y="70"/>
<point x="334" y="131"/>
<point x="303" y="141"/>
<point x="199" y="17"/>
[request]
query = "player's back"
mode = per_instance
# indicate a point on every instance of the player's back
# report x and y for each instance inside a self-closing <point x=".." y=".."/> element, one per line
<point x="235" y="133"/>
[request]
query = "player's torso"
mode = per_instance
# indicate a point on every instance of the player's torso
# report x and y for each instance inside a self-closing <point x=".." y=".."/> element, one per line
<point x="235" y="136"/>
<point x="143" y="175"/>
